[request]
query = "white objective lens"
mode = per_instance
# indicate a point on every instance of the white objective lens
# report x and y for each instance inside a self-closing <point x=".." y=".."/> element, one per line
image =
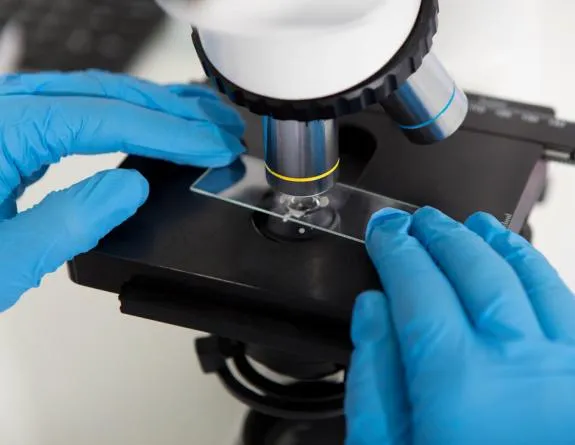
<point x="252" y="17"/>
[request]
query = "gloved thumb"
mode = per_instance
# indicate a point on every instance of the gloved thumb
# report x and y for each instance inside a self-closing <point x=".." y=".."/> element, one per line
<point x="376" y="404"/>
<point x="65" y="224"/>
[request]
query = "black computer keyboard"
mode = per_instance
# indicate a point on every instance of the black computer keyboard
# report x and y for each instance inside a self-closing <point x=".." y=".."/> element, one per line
<point x="79" y="34"/>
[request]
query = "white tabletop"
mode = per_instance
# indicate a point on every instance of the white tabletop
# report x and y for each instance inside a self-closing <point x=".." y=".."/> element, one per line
<point x="74" y="370"/>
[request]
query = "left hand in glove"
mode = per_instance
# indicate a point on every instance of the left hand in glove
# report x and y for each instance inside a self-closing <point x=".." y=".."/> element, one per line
<point x="46" y="116"/>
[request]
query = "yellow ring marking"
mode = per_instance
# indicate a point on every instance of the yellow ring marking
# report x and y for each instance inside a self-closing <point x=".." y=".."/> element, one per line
<point x="300" y="180"/>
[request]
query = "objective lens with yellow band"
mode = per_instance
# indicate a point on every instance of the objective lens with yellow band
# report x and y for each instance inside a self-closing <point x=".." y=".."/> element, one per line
<point x="302" y="158"/>
<point x="309" y="179"/>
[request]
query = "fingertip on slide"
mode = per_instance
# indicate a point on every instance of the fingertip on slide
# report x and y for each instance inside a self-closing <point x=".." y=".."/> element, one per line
<point x="226" y="150"/>
<point x="387" y="219"/>
<point x="218" y="161"/>
<point x="386" y="232"/>
<point x="387" y="214"/>
<point x="430" y="224"/>
<point x="221" y="114"/>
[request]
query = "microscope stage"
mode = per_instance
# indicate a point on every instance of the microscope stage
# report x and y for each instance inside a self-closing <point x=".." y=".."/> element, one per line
<point x="195" y="261"/>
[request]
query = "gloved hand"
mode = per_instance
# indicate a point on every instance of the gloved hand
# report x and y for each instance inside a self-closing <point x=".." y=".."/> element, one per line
<point x="44" y="117"/>
<point x="473" y="342"/>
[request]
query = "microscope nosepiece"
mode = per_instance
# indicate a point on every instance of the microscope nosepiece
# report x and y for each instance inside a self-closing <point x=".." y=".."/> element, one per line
<point x="428" y="106"/>
<point x="302" y="158"/>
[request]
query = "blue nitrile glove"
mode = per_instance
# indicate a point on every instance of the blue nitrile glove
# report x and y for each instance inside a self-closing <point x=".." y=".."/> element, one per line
<point x="473" y="342"/>
<point x="44" y="117"/>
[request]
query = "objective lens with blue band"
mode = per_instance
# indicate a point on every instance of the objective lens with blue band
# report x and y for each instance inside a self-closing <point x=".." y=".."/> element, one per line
<point x="428" y="107"/>
<point x="433" y="119"/>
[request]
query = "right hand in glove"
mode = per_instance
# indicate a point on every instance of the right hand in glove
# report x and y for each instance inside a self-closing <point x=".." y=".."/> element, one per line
<point x="471" y="343"/>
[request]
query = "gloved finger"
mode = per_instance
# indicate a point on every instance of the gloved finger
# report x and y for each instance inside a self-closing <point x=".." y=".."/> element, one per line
<point x="186" y="101"/>
<point x="8" y="209"/>
<point x="183" y="89"/>
<point x="38" y="131"/>
<point x="376" y="404"/>
<point x="28" y="181"/>
<point x="425" y="309"/>
<point x="486" y="284"/>
<point x="63" y="225"/>
<point x="551" y="299"/>
<point x="35" y="177"/>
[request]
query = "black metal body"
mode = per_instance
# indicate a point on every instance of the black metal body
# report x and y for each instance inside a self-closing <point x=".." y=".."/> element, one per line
<point x="192" y="261"/>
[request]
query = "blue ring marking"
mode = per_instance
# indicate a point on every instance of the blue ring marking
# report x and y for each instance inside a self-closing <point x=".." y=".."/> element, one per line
<point x="433" y="119"/>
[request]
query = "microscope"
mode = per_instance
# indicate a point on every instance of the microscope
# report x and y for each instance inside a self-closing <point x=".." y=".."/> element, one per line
<point x="348" y="111"/>
<point x="372" y="53"/>
<point x="302" y="79"/>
